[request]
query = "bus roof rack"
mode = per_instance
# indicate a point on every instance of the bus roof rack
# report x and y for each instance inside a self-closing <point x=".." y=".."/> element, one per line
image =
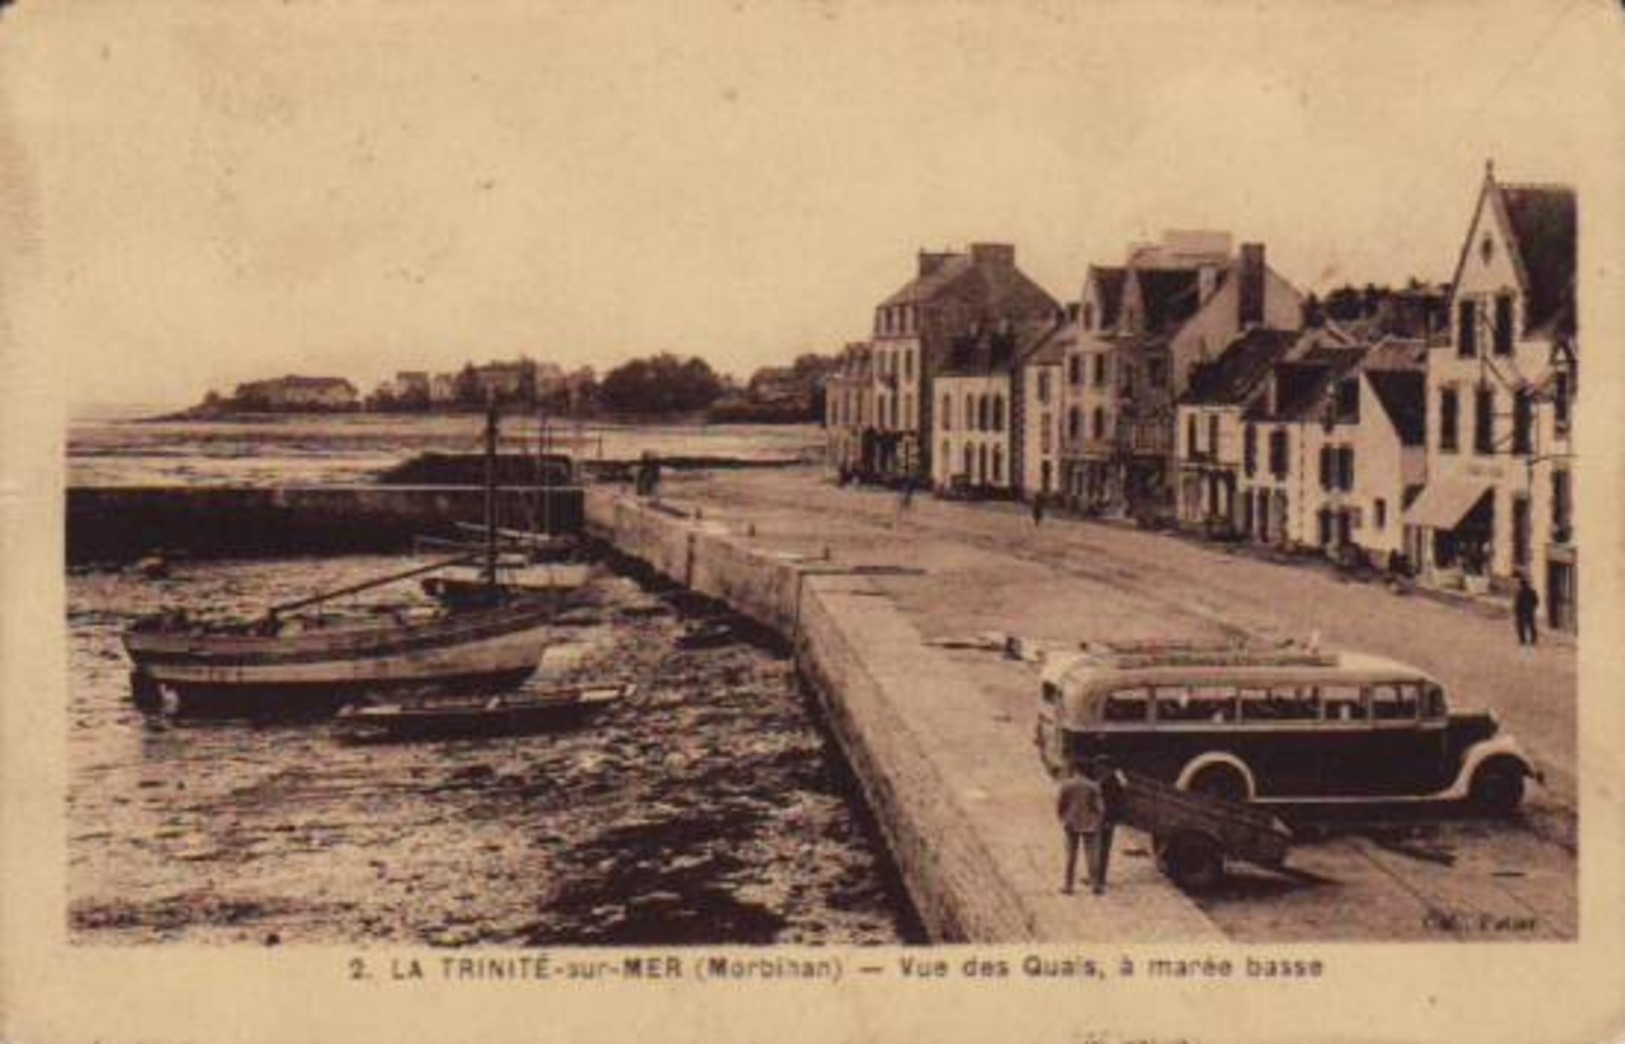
<point x="1175" y="652"/>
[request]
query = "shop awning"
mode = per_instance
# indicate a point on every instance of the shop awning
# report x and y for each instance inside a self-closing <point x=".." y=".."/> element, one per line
<point x="1443" y="503"/>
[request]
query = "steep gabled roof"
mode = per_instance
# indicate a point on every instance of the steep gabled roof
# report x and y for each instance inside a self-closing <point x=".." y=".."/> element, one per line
<point x="1168" y="295"/>
<point x="1109" y="279"/>
<point x="1542" y="224"/>
<point x="1239" y="371"/>
<point x="949" y="267"/>
<point x="1543" y="231"/>
<point x="1051" y="346"/>
<point x="1403" y="395"/>
<point x="999" y="349"/>
<point x="1397" y="353"/>
<point x="1301" y="386"/>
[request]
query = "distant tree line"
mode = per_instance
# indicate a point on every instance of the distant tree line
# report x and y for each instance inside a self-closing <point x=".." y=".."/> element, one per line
<point x="663" y="384"/>
<point x="660" y="384"/>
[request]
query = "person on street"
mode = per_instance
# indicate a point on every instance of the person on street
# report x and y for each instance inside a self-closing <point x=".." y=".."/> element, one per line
<point x="905" y="499"/>
<point x="1084" y="805"/>
<point x="1038" y="510"/>
<point x="1524" y="605"/>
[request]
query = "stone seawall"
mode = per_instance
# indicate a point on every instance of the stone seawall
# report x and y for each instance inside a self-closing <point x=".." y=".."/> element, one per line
<point x="125" y="523"/>
<point x="965" y="808"/>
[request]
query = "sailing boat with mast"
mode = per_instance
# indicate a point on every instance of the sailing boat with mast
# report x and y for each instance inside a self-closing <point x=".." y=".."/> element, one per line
<point x="526" y="559"/>
<point x="283" y="663"/>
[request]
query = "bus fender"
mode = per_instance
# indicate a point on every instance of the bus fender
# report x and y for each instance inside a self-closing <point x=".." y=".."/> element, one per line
<point x="1217" y="757"/>
<point x="1484" y="750"/>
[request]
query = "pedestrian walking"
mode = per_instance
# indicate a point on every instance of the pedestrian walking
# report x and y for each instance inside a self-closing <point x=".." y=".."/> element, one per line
<point x="1524" y="605"/>
<point x="1038" y="510"/>
<point x="1085" y="805"/>
<point x="904" y="500"/>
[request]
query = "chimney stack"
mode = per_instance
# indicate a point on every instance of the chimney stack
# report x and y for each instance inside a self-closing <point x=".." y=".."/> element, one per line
<point x="1250" y="298"/>
<point x="993" y="255"/>
<point x="931" y="261"/>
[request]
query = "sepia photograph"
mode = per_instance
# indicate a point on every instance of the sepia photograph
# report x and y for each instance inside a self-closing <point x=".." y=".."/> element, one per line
<point x="810" y="496"/>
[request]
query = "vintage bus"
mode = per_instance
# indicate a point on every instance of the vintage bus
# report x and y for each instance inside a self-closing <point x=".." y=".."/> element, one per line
<point x="1283" y="724"/>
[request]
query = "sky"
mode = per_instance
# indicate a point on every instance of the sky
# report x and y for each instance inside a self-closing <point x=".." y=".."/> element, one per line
<point x="212" y="193"/>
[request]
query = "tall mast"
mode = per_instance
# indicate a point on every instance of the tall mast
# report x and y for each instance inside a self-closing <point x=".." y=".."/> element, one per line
<point x="545" y="437"/>
<point x="491" y="494"/>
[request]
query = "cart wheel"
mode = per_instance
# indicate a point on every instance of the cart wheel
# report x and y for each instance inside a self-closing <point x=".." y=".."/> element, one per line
<point x="1192" y="861"/>
<point x="145" y="693"/>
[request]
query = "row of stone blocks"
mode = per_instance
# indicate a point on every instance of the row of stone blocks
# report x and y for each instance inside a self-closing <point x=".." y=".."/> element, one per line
<point x="848" y="647"/>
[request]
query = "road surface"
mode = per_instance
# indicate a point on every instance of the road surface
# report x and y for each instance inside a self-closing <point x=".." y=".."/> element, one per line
<point x="967" y="569"/>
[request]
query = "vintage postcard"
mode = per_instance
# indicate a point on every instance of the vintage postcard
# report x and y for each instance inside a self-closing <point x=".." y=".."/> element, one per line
<point x="864" y="521"/>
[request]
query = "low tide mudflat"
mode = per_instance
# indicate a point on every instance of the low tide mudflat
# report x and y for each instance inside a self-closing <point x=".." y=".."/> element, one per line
<point x="707" y="807"/>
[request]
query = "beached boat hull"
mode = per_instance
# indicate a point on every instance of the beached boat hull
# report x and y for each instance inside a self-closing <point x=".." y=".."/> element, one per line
<point x="242" y="675"/>
<point x="536" y="583"/>
<point x="514" y="714"/>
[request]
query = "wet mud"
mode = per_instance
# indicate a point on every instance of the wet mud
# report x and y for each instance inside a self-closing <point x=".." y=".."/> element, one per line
<point x="706" y="807"/>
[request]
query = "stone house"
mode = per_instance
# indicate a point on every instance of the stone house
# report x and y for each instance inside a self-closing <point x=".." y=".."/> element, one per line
<point x="1499" y="500"/>
<point x="848" y="408"/>
<point x="976" y="432"/>
<point x="1144" y="327"/>
<point x="950" y="296"/>
<point x="1037" y="411"/>
<point x="1209" y="426"/>
<point x="1332" y="446"/>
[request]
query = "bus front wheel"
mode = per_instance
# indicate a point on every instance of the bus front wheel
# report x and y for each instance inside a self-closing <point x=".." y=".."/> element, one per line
<point x="1497" y="787"/>
<point x="1220" y="781"/>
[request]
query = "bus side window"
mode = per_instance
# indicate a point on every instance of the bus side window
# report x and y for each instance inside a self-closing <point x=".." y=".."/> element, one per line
<point x="1279" y="703"/>
<point x="1343" y="702"/>
<point x="1126" y="705"/>
<point x="1391" y="702"/>
<point x="1433" y="704"/>
<point x="1199" y="703"/>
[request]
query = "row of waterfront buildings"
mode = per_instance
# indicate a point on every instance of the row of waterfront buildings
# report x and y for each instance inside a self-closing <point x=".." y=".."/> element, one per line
<point x="1428" y="433"/>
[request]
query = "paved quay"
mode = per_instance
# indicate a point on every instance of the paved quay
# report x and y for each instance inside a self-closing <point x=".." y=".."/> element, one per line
<point x="954" y="570"/>
<point x="948" y="769"/>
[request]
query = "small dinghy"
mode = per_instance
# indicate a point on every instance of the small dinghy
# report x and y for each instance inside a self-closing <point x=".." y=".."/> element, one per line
<point x="504" y="714"/>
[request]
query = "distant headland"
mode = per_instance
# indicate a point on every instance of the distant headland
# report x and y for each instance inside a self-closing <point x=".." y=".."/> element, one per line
<point x="660" y="386"/>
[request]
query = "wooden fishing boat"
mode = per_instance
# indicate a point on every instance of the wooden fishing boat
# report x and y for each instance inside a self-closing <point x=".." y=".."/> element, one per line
<point x="553" y="583"/>
<point x="532" y="563"/>
<point x="282" y="663"/>
<point x="505" y="714"/>
<point x="302" y="667"/>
